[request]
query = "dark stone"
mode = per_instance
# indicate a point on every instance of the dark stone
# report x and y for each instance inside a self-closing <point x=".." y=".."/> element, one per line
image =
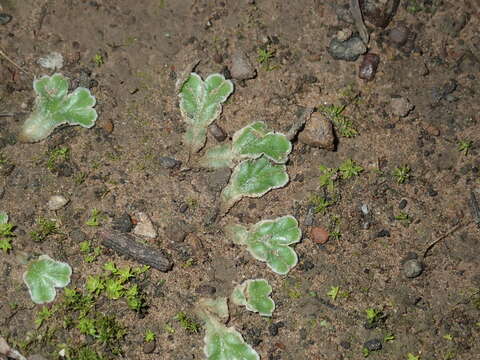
<point x="123" y="223"/>
<point x="345" y="344"/>
<point x="373" y="345"/>
<point x="432" y="192"/>
<point x="149" y="347"/>
<point x="183" y="208"/>
<point x="379" y="13"/>
<point x="368" y="67"/>
<point x="348" y="50"/>
<point x="402" y="204"/>
<point x="5" y="18"/>
<point x="383" y="233"/>
<point x="273" y="329"/>
<point x="306" y="265"/>
<point x="217" y="132"/>
<point x="168" y="163"/>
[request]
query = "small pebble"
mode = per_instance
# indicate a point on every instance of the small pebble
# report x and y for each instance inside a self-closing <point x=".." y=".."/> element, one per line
<point x="398" y="36"/>
<point x="348" y="50"/>
<point x="168" y="163"/>
<point x="412" y="268"/>
<point x="145" y="226"/>
<point x="383" y="233"/>
<point x="401" y="106"/>
<point x="56" y="202"/>
<point x="206" y="289"/>
<point x="273" y="329"/>
<point x="218" y="58"/>
<point x="368" y="67"/>
<point x="183" y="208"/>
<point x="344" y="35"/>
<point x="241" y="67"/>
<point x="5" y="18"/>
<point x="77" y="236"/>
<point x="149" y="347"/>
<point x="123" y="223"/>
<point x="373" y="345"/>
<point x="319" y="235"/>
<point x="318" y="132"/>
<point x="402" y="204"/>
<point x="217" y="132"/>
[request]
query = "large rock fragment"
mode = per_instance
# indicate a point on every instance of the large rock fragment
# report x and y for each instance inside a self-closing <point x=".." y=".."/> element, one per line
<point x="318" y="132"/>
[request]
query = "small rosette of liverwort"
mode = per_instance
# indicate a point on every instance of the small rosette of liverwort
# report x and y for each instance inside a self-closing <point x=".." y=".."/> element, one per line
<point x="43" y="276"/>
<point x="255" y="296"/>
<point x="251" y="142"/>
<point x="269" y="241"/>
<point x="253" y="178"/>
<point x="55" y="107"/>
<point x="200" y="104"/>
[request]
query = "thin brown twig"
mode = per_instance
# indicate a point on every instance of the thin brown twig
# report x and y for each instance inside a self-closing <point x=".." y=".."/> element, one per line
<point x="440" y="238"/>
<point x="2" y="53"/>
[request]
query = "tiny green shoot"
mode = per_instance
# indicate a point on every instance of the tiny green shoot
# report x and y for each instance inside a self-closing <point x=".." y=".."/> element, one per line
<point x="265" y="57"/>
<point x="320" y="204"/>
<point x="187" y="323"/>
<point x="343" y="125"/>
<point x="333" y="292"/>
<point x="349" y="168"/>
<point x="402" y="173"/>
<point x="410" y="356"/>
<point x="43" y="229"/>
<point x="98" y="60"/>
<point x="94" y="219"/>
<point x="6" y="233"/>
<point x="388" y="337"/>
<point x="373" y="315"/>
<point x="149" y="336"/>
<point x="464" y="146"/>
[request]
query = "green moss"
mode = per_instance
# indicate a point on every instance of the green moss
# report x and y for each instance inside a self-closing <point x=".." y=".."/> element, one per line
<point x="43" y="229"/>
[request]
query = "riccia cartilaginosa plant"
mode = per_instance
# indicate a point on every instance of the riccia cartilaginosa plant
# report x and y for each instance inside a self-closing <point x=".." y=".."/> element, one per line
<point x="54" y="106"/>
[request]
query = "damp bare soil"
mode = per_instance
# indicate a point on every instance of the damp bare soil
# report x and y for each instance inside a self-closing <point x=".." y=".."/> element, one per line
<point x="371" y="290"/>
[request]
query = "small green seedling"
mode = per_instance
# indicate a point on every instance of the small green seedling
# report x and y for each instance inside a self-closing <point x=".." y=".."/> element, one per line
<point x="251" y="142"/>
<point x="94" y="219"/>
<point x="333" y="292"/>
<point x="222" y="342"/>
<point x="269" y="241"/>
<point x="43" y="276"/>
<point x="44" y="228"/>
<point x="402" y="173"/>
<point x="465" y="146"/>
<point x="320" y="204"/>
<point x="254" y="294"/>
<point x="343" y="125"/>
<point x="6" y="233"/>
<point x="265" y="57"/>
<point x="253" y="178"/>
<point x="200" y="104"/>
<point x="373" y="315"/>
<point x="410" y="356"/>
<point x="328" y="177"/>
<point x="54" y="107"/>
<point x="149" y="336"/>
<point x="349" y="168"/>
<point x="388" y="337"/>
<point x="187" y="323"/>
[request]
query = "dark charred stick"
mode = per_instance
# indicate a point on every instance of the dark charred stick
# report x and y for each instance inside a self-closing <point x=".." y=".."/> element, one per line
<point x="126" y="244"/>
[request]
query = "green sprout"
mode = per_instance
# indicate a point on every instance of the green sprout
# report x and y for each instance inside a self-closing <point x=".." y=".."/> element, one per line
<point x="403" y="217"/>
<point x="89" y="254"/>
<point x="373" y="315"/>
<point x="349" y="169"/>
<point x="94" y="219"/>
<point x="149" y="336"/>
<point x="56" y="156"/>
<point x="187" y="323"/>
<point x="44" y="314"/>
<point x="320" y="204"/>
<point x="342" y="124"/>
<point x="54" y="107"/>
<point x="410" y="356"/>
<point x="265" y="57"/>
<point x="388" y="337"/>
<point x="44" y="228"/>
<point x="333" y="292"/>
<point x="402" y="173"/>
<point x="365" y="352"/>
<point x="6" y="233"/>
<point x="465" y="146"/>
<point x="328" y="177"/>
<point x="98" y="60"/>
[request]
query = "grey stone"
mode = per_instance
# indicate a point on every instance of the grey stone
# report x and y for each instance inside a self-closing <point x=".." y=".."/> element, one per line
<point x="241" y="67"/>
<point x="412" y="268"/>
<point x="398" y="36"/>
<point x="348" y="50"/>
<point x="168" y="163"/>
<point x="149" y="347"/>
<point x="5" y="18"/>
<point x="218" y="179"/>
<point x="401" y="106"/>
<point x="318" y="132"/>
<point x="373" y="345"/>
<point x="122" y="223"/>
<point x="145" y="226"/>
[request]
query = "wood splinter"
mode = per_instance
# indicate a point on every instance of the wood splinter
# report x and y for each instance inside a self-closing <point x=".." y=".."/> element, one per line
<point x="126" y="244"/>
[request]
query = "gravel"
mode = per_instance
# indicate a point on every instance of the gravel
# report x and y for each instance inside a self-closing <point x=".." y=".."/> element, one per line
<point x="348" y="50"/>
